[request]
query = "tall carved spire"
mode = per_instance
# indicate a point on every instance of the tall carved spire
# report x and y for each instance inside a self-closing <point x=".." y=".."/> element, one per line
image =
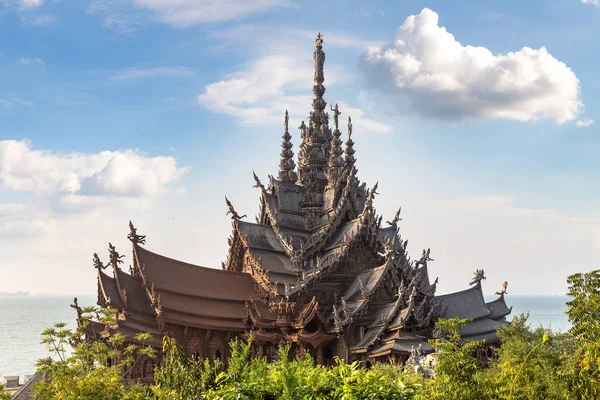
<point x="318" y="88"/>
<point x="336" y="162"/>
<point x="314" y="154"/>
<point x="287" y="165"/>
<point x="349" y="156"/>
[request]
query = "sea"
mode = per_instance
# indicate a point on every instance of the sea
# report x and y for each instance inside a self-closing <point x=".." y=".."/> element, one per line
<point x="23" y="318"/>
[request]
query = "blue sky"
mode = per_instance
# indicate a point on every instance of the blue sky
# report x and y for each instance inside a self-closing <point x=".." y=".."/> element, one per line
<point x="154" y="110"/>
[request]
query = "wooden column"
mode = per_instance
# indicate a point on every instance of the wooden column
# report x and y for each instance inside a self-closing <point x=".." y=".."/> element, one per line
<point x="320" y="359"/>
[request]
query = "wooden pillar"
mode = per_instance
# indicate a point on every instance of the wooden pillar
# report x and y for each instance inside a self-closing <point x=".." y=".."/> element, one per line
<point x="320" y="359"/>
<point x="261" y="349"/>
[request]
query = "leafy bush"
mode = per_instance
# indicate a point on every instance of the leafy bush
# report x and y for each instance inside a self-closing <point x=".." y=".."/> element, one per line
<point x="529" y="364"/>
<point x="253" y="378"/>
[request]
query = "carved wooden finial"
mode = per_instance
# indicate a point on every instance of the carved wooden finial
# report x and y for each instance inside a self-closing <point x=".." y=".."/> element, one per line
<point x="234" y="214"/>
<point x="134" y="237"/>
<point x="78" y="309"/>
<point x="115" y="258"/>
<point x="394" y="222"/>
<point x="503" y="290"/>
<point x="336" y="114"/>
<point x="425" y="257"/>
<point x="349" y="128"/>
<point x="302" y="128"/>
<point x="478" y="276"/>
<point x="258" y="182"/>
<point x="97" y="263"/>
<point x="319" y="40"/>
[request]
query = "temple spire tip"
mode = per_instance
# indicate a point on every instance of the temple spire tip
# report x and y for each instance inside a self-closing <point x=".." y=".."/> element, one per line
<point x="319" y="40"/>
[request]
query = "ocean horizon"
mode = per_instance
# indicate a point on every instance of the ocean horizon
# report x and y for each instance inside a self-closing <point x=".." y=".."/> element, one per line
<point x="23" y="318"/>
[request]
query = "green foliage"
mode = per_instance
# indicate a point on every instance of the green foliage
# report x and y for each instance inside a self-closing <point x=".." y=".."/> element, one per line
<point x="94" y="370"/>
<point x="529" y="364"/>
<point x="582" y="372"/>
<point x="4" y="395"/>
<point x="459" y="371"/>
<point x="288" y="379"/>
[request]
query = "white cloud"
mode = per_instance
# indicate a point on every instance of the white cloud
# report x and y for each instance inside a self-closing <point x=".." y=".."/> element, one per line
<point x="11" y="103"/>
<point x="114" y="16"/>
<point x="260" y="94"/>
<point x="31" y="3"/>
<point x="189" y="12"/>
<point x="592" y="2"/>
<point x="29" y="60"/>
<point x="11" y="209"/>
<point x="362" y="124"/>
<point x="584" y="123"/>
<point x="433" y="74"/>
<point x="18" y="221"/>
<point x="127" y="174"/>
<point x="39" y="20"/>
<point x="156" y="72"/>
<point x="23" y="3"/>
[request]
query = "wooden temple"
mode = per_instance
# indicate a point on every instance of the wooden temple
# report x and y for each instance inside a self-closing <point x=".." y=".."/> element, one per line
<point x="318" y="269"/>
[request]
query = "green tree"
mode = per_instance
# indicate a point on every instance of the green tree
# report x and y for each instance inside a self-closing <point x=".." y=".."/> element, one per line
<point x="459" y="372"/>
<point x="528" y="362"/>
<point x="4" y="395"/>
<point x="92" y="370"/>
<point x="287" y="378"/>
<point x="581" y="371"/>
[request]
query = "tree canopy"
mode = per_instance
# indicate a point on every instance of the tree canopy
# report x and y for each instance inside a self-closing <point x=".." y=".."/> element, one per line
<point x="530" y="363"/>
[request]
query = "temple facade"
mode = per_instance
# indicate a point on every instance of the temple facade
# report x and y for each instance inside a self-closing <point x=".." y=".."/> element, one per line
<point x="319" y="269"/>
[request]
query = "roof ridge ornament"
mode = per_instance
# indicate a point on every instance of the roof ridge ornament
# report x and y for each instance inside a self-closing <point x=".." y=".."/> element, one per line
<point x="134" y="237"/>
<point x="478" y="276"/>
<point x="394" y="222"/>
<point x="98" y="264"/>
<point x="258" y="182"/>
<point x="503" y="291"/>
<point x="371" y="197"/>
<point x="425" y="257"/>
<point x="115" y="258"/>
<point x="234" y="214"/>
<point x="349" y="159"/>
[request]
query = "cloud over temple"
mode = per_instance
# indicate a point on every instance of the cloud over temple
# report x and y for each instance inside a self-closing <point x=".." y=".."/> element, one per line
<point x="429" y="73"/>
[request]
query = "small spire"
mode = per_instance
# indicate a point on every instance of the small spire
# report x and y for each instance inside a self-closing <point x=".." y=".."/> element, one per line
<point x="287" y="166"/>
<point x="336" y="162"/>
<point x="349" y="154"/>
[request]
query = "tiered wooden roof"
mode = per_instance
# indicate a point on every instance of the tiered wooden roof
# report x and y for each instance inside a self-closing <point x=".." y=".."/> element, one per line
<point x="317" y="266"/>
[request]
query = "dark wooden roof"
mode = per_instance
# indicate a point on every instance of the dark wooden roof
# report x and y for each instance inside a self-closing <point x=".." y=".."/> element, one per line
<point x="108" y="294"/>
<point x="137" y="299"/>
<point x="370" y="280"/>
<point x="190" y="295"/>
<point x="464" y="304"/>
<point x="470" y="304"/>
<point x="260" y="236"/>
<point x="26" y="392"/>
<point x="498" y="308"/>
<point x="182" y="278"/>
